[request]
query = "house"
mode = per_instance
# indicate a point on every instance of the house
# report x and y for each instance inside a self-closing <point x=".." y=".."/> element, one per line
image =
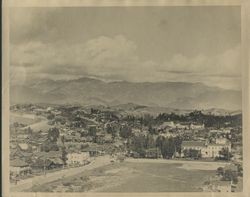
<point x="221" y="140"/>
<point x="226" y="131"/>
<point x="153" y="153"/>
<point x="47" y="160"/>
<point x="77" y="158"/>
<point x="216" y="131"/>
<point x="17" y="153"/>
<point x="181" y="126"/>
<point x="24" y="146"/>
<point x="197" y="126"/>
<point x="168" y="134"/>
<point x="165" y="125"/>
<point x="94" y="150"/>
<point x="19" y="167"/>
<point x="47" y="164"/>
<point x="22" y="136"/>
<point x="196" y="145"/>
<point x="221" y="186"/>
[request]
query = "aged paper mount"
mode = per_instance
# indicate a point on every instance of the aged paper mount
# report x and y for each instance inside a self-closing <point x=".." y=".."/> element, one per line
<point x="7" y="60"/>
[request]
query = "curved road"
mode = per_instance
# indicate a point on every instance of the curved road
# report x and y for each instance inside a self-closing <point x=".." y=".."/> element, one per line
<point x="53" y="176"/>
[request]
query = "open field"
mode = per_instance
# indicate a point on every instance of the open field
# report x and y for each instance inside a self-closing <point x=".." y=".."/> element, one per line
<point x="135" y="176"/>
<point x="36" y="123"/>
<point x="40" y="126"/>
<point x="23" y="118"/>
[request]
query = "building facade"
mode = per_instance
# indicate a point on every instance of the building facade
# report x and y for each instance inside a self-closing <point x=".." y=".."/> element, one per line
<point x="206" y="150"/>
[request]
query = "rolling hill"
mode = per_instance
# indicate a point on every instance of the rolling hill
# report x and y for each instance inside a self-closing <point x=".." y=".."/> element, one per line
<point x="88" y="91"/>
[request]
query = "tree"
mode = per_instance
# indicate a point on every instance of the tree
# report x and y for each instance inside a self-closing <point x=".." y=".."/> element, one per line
<point x="225" y="154"/>
<point x="194" y="153"/>
<point x="53" y="134"/>
<point x="159" y="141"/>
<point x="92" y="131"/>
<point x="60" y="119"/>
<point x="50" y="116"/>
<point x="150" y="141"/>
<point x="229" y="175"/>
<point x="151" y="130"/>
<point x="125" y="131"/>
<point x="84" y="146"/>
<point x="64" y="155"/>
<point x="164" y="148"/>
<point x="29" y="131"/>
<point x="220" y="171"/>
<point x="178" y="142"/>
<point x="63" y="139"/>
<point x="50" y="146"/>
<point x="186" y="152"/>
<point x="168" y="147"/>
<point x="138" y="144"/>
<point x="111" y="130"/>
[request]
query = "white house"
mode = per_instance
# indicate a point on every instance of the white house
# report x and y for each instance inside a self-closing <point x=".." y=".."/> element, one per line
<point x="77" y="158"/>
<point x="197" y="126"/>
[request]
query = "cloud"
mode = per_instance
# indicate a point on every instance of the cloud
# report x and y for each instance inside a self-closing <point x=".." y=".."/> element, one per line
<point x="115" y="58"/>
<point x="225" y="64"/>
<point x="99" y="56"/>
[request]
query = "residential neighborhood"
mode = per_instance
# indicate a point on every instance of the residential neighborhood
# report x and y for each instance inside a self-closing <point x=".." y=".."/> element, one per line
<point x="49" y="138"/>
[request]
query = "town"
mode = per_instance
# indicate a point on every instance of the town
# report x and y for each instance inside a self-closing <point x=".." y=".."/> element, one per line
<point x="46" y="138"/>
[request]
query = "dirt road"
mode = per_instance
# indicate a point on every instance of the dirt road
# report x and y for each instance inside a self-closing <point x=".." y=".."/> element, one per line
<point x="53" y="176"/>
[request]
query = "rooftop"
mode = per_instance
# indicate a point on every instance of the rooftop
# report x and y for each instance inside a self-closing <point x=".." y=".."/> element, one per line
<point x="193" y="143"/>
<point x="50" y="154"/>
<point x="18" y="163"/>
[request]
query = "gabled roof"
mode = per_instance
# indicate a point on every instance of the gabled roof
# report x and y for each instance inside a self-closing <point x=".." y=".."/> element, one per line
<point x="23" y="146"/>
<point x="50" y="154"/>
<point x="18" y="163"/>
<point x="57" y="161"/>
<point x="193" y="143"/>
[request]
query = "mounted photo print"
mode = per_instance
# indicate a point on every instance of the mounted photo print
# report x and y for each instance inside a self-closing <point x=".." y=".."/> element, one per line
<point x="124" y="98"/>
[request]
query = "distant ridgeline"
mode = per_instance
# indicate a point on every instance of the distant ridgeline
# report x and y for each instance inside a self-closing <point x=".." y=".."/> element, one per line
<point x="87" y="91"/>
<point x="209" y="120"/>
<point x="147" y="119"/>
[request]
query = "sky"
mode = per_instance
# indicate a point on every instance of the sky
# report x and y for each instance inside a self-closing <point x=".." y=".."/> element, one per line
<point x="137" y="44"/>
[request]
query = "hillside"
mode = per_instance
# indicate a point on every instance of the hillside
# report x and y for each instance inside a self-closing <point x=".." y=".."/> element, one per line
<point x="86" y="91"/>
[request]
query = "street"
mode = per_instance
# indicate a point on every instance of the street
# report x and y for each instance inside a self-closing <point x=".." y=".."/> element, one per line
<point x="23" y="185"/>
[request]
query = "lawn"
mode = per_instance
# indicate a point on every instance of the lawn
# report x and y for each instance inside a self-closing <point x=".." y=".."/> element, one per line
<point x="161" y="177"/>
<point x="132" y="177"/>
<point x="26" y="119"/>
<point x="36" y="123"/>
<point x="40" y="126"/>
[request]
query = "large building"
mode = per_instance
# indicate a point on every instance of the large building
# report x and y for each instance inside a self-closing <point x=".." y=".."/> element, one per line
<point x="207" y="150"/>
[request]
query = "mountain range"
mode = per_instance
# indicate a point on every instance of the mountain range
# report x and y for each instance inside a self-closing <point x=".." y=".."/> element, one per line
<point x="88" y="91"/>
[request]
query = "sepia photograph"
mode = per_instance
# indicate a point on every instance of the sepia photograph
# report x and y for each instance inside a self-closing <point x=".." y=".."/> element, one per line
<point x="125" y="99"/>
